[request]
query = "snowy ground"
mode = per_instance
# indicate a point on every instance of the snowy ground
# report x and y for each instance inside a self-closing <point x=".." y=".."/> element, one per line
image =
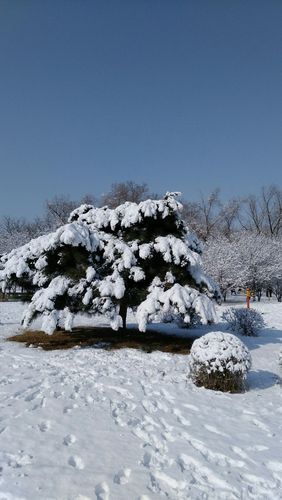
<point x="125" y="425"/>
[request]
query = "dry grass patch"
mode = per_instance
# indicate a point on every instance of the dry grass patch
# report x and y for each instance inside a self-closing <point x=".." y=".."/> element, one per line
<point x="106" y="338"/>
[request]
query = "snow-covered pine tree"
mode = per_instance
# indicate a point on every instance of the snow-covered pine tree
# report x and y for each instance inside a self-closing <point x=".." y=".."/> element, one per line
<point x="104" y="261"/>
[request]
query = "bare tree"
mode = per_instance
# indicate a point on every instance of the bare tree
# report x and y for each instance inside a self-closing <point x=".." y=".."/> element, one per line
<point x="210" y="208"/>
<point x="204" y="217"/>
<point x="89" y="199"/>
<point x="263" y="213"/>
<point x="251" y="217"/>
<point x="58" y="210"/>
<point x="125" y="191"/>
<point x="192" y="215"/>
<point x="229" y="214"/>
<point x="271" y="200"/>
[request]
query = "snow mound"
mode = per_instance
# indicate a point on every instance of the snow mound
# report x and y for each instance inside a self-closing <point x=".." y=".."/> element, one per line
<point x="218" y="350"/>
<point x="219" y="361"/>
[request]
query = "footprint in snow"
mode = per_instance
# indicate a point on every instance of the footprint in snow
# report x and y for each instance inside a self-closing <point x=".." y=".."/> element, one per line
<point x="191" y="407"/>
<point x="263" y="427"/>
<point x="119" y="410"/>
<point x="44" y="426"/>
<point x="213" y="456"/>
<point x="76" y="462"/>
<point x="149" y="438"/>
<point x="214" y="430"/>
<point x="33" y="395"/>
<point x="18" y="393"/>
<point x="57" y="394"/>
<point x="68" y="409"/>
<point x="274" y="466"/>
<point x="241" y="453"/>
<point x="150" y="421"/>
<point x="167" y="396"/>
<point x="258" y="447"/>
<point x="122" y="477"/>
<point x="202" y="474"/>
<point x="168" y="436"/>
<point x="69" y="439"/>
<point x="262" y="485"/>
<point x="89" y="399"/>
<point x="156" y="460"/>
<point x="182" y="420"/>
<point x="102" y="491"/>
<point x="17" y="461"/>
<point x="161" y="481"/>
<point x="162" y="406"/>
<point x="74" y="395"/>
<point x="149" y="406"/>
<point x="41" y="404"/>
<point x="121" y="391"/>
<point x="167" y="427"/>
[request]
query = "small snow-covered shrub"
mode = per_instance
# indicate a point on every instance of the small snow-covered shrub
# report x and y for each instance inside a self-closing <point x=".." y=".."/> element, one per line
<point x="244" y="321"/>
<point x="219" y="361"/>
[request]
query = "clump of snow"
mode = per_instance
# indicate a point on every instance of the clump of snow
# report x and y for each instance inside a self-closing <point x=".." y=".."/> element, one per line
<point x="90" y="273"/>
<point x="127" y="214"/>
<point x="179" y="302"/>
<point x="30" y="260"/>
<point x="219" y="361"/>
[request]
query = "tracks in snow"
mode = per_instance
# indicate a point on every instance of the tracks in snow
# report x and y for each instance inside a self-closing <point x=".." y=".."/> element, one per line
<point x="65" y="410"/>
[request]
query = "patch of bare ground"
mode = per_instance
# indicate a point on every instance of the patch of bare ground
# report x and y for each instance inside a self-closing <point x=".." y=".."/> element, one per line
<point x="106" y="338"/>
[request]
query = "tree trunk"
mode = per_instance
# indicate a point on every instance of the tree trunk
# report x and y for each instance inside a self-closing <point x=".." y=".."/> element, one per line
<point x="123" y="313"/>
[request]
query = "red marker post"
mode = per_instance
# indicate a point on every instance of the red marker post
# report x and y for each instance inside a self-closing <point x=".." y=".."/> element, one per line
<point x="248" y="297"/>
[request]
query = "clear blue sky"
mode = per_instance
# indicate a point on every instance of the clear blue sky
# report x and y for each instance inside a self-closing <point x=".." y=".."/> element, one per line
<point x="182" y="94"/>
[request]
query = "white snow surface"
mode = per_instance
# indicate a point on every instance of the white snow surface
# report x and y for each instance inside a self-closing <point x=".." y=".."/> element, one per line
<point x="88" y="423"/>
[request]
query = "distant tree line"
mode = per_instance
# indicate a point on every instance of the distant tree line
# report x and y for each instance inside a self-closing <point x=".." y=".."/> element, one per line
<point x="241" y="237"/>
<point x="242" y="240"/>
<point x="259" y="214"/>
<point x="15" y="232"/>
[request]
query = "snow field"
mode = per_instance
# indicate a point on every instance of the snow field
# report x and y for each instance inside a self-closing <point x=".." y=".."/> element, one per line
<point x="124" y="425"/>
